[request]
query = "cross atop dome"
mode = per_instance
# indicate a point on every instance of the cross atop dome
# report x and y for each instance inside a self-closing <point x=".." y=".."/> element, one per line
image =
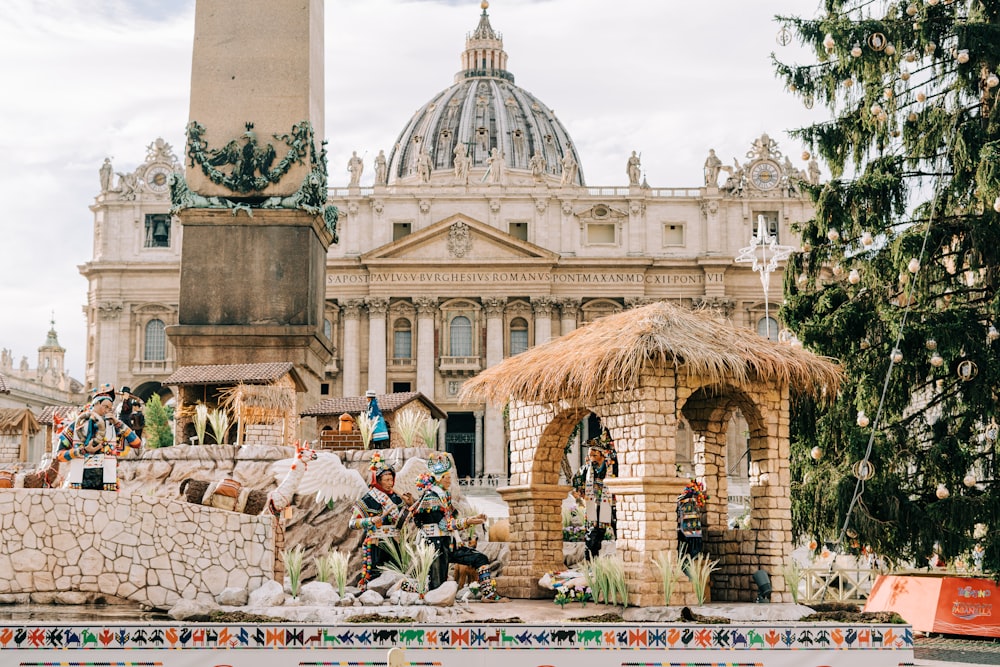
<point x="484" y="55"/>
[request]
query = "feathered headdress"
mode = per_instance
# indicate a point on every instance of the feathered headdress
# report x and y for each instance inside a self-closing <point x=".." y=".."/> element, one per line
<point x="379" y="466"/>
<point x="696" y="490"/>
<point x="438" y="463"/>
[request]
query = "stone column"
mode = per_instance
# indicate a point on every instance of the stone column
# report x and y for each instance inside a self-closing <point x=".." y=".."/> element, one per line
<point x="352" y="346"/>
<point x="378" y="307"/>
<point x="494" y="444"/>
<point x="569" y="308"/>
<point x="536" y="517"/>
<point x="542" y="305"/>
<point x="636" y="228"/>
<point x="426" y="310"/>
<point x="478" y="414"/>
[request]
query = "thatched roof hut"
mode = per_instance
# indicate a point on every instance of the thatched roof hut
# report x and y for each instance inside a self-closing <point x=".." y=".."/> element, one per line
<point x="613" y="352"/>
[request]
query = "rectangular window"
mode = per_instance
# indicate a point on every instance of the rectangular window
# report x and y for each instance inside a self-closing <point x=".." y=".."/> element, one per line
<point x="402" y="344"/>
<point x="599" y="233"/>
<point x="401" y="229"/>
<point x="519" y="230"/>
<point x="324" y="389"/>
<point x="518" y="341"/>
<point x="770" y="223"/>
<point x="401" y="387"/>
<point x="157" y="230"/>
<point x="673" y="234"/>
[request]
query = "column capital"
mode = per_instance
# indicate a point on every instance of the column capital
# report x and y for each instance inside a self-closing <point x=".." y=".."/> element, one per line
<point x="542" y="305"/>
<point x="494" y="305"/>
<point x="352" y="308"/>
<point x="426" y="305"/>
<point x="638" y="301"/>
<point x="570" y="306"/>
<point x="377" y="305"/>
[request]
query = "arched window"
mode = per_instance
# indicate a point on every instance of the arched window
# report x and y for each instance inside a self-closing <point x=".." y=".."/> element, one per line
<point x="518" y="335"/>
<point x="155" y="348"/>
<point x="402" y="339"/>
<point x="460" y="337"/>
<point x="328" y="328"/>
<point x="768" y="328"/>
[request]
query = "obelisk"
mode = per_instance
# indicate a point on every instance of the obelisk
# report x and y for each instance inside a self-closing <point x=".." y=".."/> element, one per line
<point x="256" y="226"/>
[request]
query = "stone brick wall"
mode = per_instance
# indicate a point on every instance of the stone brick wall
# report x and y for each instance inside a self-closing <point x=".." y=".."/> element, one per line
<point x="151" y="550"/>
<point x="642" y="420"/>
<point x="10" y="448"/>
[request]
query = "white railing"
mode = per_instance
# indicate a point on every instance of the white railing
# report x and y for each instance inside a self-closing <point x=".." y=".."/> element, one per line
<point x="839" y="584"/>
<point x="491" y="481"/>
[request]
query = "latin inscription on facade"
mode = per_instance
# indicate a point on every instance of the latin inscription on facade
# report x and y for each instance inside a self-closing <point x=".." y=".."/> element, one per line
<point x="456" y="277"/>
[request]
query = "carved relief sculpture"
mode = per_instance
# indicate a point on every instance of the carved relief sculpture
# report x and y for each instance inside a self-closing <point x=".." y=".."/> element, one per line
<point x="459" y="239"/>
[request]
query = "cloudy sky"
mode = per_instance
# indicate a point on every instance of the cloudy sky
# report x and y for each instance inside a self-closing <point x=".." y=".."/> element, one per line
<point x="87" y="79"/>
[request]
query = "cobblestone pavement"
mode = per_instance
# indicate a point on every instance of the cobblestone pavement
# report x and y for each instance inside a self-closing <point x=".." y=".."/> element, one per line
<point x="939" y="651"/>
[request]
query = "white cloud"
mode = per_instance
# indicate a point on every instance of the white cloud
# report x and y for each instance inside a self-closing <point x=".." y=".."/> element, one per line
<point x="107" y="77"/>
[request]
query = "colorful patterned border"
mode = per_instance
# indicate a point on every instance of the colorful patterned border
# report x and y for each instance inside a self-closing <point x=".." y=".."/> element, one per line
<point x="774" y="637"/>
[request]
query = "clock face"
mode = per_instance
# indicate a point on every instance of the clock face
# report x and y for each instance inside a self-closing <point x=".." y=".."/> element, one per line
<point x="157" y="178"/>
<point x="764" y="175"/>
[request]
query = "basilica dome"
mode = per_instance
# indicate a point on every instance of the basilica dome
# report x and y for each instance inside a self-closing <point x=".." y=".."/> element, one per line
<point x="482" y="111"/>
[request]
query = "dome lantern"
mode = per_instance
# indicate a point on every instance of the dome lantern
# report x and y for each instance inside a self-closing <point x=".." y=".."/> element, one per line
<point x="482" y="112"/>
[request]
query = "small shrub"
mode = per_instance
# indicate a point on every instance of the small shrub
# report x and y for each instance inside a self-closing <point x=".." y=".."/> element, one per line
<point x="700" y="570"/>
<point x="336" y="563"/>
<point x="671" y="567"/>
<point x="293" y="564"/>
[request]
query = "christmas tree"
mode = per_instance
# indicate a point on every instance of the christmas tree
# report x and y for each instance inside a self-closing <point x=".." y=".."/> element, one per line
<point x="898" y="278"/>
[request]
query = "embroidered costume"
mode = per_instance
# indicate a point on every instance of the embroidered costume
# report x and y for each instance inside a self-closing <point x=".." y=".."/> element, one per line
<point x="588" y="484"/>
<point x="690" y="505"/>
<point x="378" y="513"/>
<point x="436" y="518"/>
<point x="93" y="443"/>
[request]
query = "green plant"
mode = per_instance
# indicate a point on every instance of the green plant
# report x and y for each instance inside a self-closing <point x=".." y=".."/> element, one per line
<point x="366" y="426"/>
<point x="158" y="432"/>
<point x="336" y="562"/>
<point x="792" y="572"/>
<point x="293" y="565"/>
<point x="700" y="570"/>
<point x="322" y="568"/>
<point x="411" y="557"/>
<point x="218" y="419"/>
<point x="422" y="555"/>
<point x="605" y="576"/>
<point x="671" y="567"/>
<point x="399" y="556"/>
<point x="408" y="423"/>
<point x="200" y="421"/>
<point x="428" y="432"/>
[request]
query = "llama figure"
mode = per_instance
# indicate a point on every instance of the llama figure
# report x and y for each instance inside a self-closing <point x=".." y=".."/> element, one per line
<point x="46" y="476"/>
<point x="281" y="498"/>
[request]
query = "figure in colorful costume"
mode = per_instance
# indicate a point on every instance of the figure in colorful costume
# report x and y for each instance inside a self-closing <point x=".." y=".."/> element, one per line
<point x="690" y="506"/>
<point x="93" y="443"/>
<point x="380" y="432"/>
<point x="436" y="518"/>
<point x="588" y="488"/>
<point x="378" y="513"/>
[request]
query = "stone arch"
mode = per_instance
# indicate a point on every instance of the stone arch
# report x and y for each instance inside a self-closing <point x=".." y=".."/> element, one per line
<point x="534" y="497"/>
<point x="765" y="542"/>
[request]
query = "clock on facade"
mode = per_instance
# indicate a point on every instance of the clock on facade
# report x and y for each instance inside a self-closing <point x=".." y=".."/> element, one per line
<point x="764" y="175"/>
<point x="158" y="178"/>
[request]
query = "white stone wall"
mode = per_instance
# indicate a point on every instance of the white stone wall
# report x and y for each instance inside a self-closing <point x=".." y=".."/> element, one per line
<point x="151" y="550"/>
<point x="10" y="448"/>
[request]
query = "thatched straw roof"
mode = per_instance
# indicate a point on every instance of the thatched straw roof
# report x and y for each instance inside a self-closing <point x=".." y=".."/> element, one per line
<point x="613" y="352"/>
<point x="18" y="421"/>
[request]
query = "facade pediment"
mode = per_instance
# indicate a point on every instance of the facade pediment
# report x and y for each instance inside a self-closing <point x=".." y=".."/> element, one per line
<point x="461" y="239"/>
